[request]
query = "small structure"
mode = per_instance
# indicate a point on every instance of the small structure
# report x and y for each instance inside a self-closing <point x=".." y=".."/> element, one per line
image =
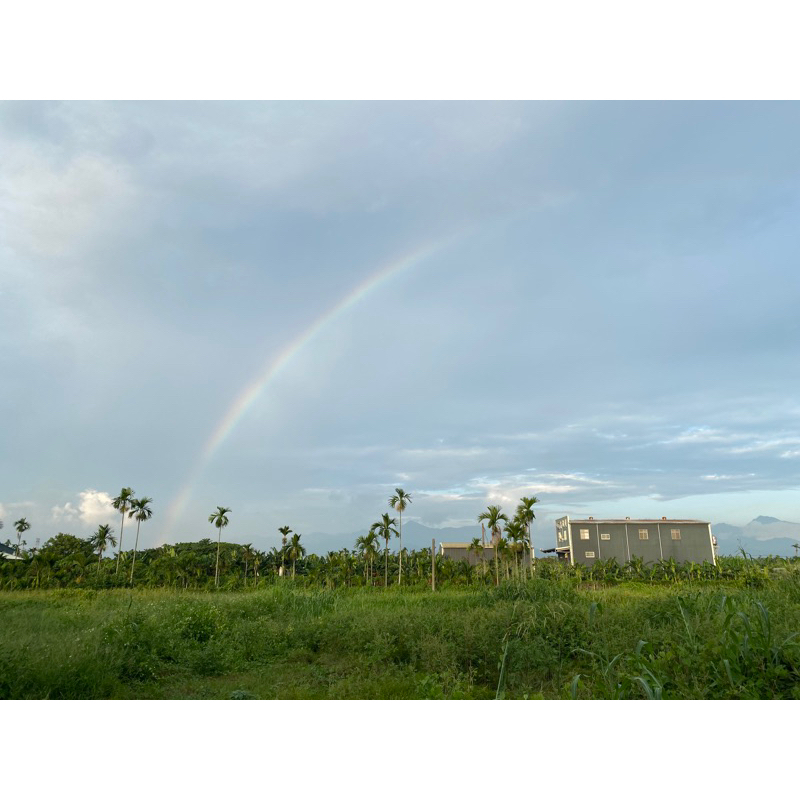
<point x="459" y="551"/>
<point x="586" y="541"/>
<point x="8" y="552"/>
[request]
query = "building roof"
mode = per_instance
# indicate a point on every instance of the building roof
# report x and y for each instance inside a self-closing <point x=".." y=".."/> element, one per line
<point x="462" y="544"/>
<point x="8" y="552"/>
<point x="648" y="521"/>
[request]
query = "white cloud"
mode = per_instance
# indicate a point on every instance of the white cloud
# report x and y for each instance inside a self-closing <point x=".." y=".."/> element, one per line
<point x="726" y="477"/>
<point x="48" y="208"/>
<point x="704" y="435"/>
<point x="93" y="508"/>
<point x="761" y="445"/>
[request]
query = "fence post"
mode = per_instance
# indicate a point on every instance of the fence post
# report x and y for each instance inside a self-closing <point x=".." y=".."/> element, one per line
<point x="433" y="565"/>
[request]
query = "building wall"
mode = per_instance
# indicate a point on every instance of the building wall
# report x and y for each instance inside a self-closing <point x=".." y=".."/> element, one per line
<point x="649" y="549"/>
<point x="462" y="554"/>
<point x="624" y="541"/>
<point x="694" y="544"/>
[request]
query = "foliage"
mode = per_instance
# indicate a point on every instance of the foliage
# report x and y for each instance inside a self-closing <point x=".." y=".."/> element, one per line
<point x="547" y="637"/>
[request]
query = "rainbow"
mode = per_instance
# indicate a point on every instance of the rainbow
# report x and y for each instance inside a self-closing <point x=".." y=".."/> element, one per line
<point x="275" y="365"/>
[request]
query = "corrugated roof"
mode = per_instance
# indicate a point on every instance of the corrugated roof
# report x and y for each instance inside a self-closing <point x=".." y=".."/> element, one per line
<point x="461" y="544"/>
<point x="648" y="521"/>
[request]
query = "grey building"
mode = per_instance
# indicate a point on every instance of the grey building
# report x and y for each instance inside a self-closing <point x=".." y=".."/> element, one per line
<point x="586" y="541"/>
<point x="6" y="551"/>
<point x="459" y="551"/>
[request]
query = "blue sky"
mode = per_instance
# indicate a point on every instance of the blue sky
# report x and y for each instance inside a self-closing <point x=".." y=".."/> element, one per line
<point x="595" y="303"/>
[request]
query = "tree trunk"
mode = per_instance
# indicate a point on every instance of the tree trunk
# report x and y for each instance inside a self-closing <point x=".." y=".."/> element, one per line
<point x="216" y="568"/>
<point x="530" y="549"/>
<point x="386" y="569"/>
<point x="400" y="571"/>
<point x="133" y="564"/>
<point x="121" y="529"/>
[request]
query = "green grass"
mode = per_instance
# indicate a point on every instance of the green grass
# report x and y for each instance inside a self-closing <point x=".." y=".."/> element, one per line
<point x="556" y="641"/>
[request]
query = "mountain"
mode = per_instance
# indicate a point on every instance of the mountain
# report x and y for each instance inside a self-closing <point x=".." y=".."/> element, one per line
<point x="761" y="536"/>
<point x="415" y="537"/>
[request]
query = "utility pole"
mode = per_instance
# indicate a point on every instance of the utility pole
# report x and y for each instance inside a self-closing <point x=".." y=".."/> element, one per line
<point x="433" y="565"/>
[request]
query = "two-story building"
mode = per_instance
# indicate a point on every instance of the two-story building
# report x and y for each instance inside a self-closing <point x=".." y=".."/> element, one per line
<point x="586" y="541"/>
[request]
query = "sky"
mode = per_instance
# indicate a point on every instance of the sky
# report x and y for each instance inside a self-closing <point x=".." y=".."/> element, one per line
<point x="291" y="308"/>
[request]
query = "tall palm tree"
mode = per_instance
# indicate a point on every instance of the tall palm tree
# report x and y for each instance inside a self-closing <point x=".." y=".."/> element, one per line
<point x="295" y="551"/>
<point x="248" y="553"/>
<point x="385" y="528"/>
<point x="494" y="516"/>
<point x="257" y="558"/>
<point x="367" y="546"/>
<point x="526" y="515"/>
<point x="284" y="531"/>
<point x="219" y="519"/>
<point x="141" y="511"/>
<point x="476" y="546"/>
<point x="515" y="531"/>
<point x="21" y="525"/>
<point x="502" y="553"/>
<point x="122" y="503"/>
<point x="101" y="541"/>
<point x="398" y="501"/>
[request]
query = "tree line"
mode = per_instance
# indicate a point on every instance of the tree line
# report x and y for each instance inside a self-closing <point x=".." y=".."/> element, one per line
<point x="69" y="561"/>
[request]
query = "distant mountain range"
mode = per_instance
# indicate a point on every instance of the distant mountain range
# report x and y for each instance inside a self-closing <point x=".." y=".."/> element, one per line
<point x="761" y="536"/>
<point x="415" y="537"/>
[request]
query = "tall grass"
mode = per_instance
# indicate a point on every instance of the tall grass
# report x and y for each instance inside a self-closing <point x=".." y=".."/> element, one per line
<point x="543" y="638"/>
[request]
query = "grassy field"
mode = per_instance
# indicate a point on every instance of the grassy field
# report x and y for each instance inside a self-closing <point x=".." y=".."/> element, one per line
<point x="541" y="639"/>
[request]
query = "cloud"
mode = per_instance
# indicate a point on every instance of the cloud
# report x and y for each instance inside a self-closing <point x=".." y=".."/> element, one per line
<point x="52" y="206"/>
<point x="92" y="508"/>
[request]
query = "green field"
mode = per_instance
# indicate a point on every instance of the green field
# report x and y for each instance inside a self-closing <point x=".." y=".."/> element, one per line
<point x="537" y="639"/>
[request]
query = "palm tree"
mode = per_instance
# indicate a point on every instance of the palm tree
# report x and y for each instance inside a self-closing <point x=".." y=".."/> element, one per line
<point x="141" y="511"/>
<point x="494" y="516"/>
<point x="248" y="553"/>
<point x="101" y="541"/>
<point x="366" y="545"/>
<point x="21" y="525"/>
<point x="502" y="552"/>
<point x="515" y="531"/>
<point x="476" y="546"/>
<point x="284" y="531"/>
<point x="219" y="520"/>
<point x="295" y="551"/>
<point x="526" y="515"/>
<point x="398" y="501"/>
<point x="257" y="558"/>
<point x="122" y="504"/>
<point x="385" y="528"/>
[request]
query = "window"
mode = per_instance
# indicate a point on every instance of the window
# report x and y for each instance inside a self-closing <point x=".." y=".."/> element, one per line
<point x="643" y="534"/>
<point x="605" y="536"/>
<point x="590" y="554"/>
<point x="676" y="533"/>
<point x="584" y="533"/>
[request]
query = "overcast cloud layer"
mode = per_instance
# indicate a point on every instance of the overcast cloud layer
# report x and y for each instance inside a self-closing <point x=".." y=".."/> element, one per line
<point x="608" y="318"/>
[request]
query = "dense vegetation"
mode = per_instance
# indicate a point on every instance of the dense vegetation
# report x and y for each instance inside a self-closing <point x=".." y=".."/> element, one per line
<point x="551" y="637"/>
<point x="219" y="620"/>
